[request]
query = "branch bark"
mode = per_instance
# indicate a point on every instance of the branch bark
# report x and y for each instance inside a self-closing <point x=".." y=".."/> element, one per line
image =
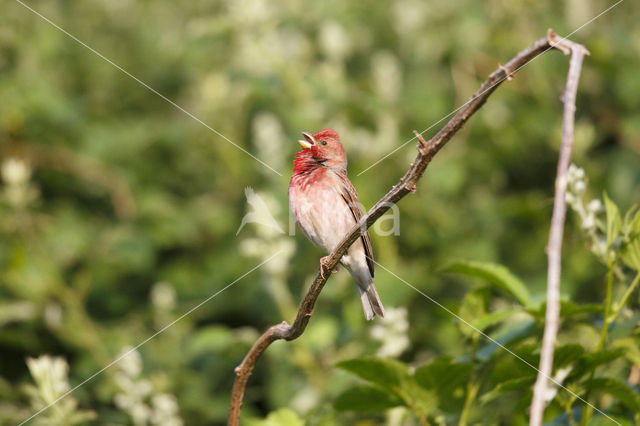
<point x="554" y="247"/>
<point x="407" y="184"/>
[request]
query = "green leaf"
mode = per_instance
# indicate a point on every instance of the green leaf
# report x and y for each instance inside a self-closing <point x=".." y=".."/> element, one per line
<point x="600" y="420"/>
<point x="601" y="357"/>
<point x="631" y="253"/>
<point x="493" y="318"/>
<point x="518" y="384"/>
<point x="510" y="333"/>
<point x="421" y="401"/>
<point x="614" y="222"/>
<point x="367" y="399"/>
<point x="629" y="346"/>
<point x="634" y="225"/>
<point x="494" y="274"/>
<point x="214" y="338"/>
<point x="618" y="389"/>
<point x="383" y="372"/>
<point x="280" y="417"/>
<point x="473" y="305"/>
<point x="567" y="354"/>
<point x="630" y="223"/>
<point x="590" y="361"/>
<point x="323" y="333"/>
<point x="523" y="363"/>
<point x="567" y="309"/>
<point x="393" y="378"/>
<point x="448" y="379"/>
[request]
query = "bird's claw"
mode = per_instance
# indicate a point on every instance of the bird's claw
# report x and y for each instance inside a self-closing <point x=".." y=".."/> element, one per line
<point x="323" y="265"/>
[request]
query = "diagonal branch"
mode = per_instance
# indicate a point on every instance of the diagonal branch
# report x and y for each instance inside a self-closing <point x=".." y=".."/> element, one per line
<point x="554" y="248"/>
<point x="407" y="184"/>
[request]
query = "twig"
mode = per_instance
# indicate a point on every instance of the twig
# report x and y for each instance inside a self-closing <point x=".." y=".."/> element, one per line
<point x="554" y="248"/>
<point x="407" y="184"/>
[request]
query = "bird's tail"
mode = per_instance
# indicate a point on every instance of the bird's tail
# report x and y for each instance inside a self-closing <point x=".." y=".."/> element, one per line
<point x="371" y="301"/>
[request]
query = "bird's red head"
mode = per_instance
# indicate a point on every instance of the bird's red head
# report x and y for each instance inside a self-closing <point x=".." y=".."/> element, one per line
<point x="324" y="148"/>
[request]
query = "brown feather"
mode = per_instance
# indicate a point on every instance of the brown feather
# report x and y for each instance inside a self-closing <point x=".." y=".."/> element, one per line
<point x="348" y="193"/>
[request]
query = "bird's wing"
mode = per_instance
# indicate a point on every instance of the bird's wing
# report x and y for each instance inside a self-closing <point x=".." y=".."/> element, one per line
<point x="349" y="195"/>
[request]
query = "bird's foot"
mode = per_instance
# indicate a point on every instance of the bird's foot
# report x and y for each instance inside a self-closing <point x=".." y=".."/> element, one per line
<point x="323" y="265"/>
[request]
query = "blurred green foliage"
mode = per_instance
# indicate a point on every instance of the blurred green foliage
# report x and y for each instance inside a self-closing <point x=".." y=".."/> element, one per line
<point x="119" y="212"/>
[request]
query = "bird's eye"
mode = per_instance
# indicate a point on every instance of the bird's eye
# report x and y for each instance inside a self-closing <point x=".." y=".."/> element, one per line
<point x="323" y="142"/>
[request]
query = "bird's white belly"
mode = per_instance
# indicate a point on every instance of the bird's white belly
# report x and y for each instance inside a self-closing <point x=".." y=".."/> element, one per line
<point x="322" y="214"/>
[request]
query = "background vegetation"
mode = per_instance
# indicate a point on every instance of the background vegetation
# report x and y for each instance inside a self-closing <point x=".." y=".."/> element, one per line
<point x="118" y="212"/>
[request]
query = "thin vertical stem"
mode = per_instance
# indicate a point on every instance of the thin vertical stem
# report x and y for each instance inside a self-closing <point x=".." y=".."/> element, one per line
<point x="607" y="309"/>
<point x="554" y="248"/>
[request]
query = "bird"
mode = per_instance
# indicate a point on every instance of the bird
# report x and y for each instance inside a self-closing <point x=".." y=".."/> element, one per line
<point x="325" y="206"/>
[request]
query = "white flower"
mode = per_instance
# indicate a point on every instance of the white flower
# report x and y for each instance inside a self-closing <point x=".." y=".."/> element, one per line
<point x="334" y="41"/>
<point x="137" y="398"/>
<point x="165" y="410"/>
<point x="387" y="75"/>
<point x="143" y="388"/>
<point x="392" y="332"/>
<point x="572" y="170"/>
<point x="131" y="362"/>
<point x="53" y="315"/>
<point x="15" y="175"/>
<point x="579" y="187"/>
<point x="50" y="374"/>
<point x="408" y="15"/>
<point x="140" y="413"/>
<point x="570" y="198"/>
<point x="575" y="173"/>
<point x="15" y="171"/>
<point x="595" y="206"/>
<point x="576" y="180"/>
<point x="163" y="296"/>
<point x="588" y="221"/>
<point x="269" y="138"/>
<point x="123" y="401"/>
<point x="165" y="403"/>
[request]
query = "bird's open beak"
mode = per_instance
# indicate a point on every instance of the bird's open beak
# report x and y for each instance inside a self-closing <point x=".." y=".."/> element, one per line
<point x="309" y="142"/>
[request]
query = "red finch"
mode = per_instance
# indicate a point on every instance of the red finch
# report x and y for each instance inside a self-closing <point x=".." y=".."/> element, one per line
<point x="325" y="206"/>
